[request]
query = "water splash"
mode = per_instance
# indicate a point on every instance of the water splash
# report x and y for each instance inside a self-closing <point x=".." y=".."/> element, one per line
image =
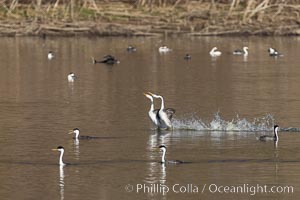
<point x="193" y="122"/>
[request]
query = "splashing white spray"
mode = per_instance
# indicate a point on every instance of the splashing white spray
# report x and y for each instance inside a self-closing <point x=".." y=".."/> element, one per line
<point x="218" y="124"/>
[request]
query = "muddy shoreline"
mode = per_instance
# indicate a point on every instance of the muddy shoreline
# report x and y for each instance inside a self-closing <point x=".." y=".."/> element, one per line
<point x="192" y="19"/>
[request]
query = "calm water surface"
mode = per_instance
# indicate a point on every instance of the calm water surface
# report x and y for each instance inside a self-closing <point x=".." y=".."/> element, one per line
<point x="221" y="104"/>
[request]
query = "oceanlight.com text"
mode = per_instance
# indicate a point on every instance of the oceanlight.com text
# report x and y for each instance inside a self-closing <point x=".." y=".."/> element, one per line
<point x="247" y="189"/>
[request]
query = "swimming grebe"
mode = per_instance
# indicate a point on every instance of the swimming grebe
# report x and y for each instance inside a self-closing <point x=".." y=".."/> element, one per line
<point x="163" y="148"/>
<point x="215" y="53"/>
<point x="241" y="52"/>
<point x="271" y="138"/>
<point x="71" y="77"/>
<point x="81" y="137"/>
<point x="50" y="55"/>
<point x="61" y="150"/>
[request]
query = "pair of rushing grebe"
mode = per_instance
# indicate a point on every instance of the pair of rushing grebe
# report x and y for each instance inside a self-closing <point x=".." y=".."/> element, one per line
<point x="161" y="118"/>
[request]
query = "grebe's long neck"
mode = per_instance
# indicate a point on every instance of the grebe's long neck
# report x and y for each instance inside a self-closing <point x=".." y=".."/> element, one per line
<point x="77" y="135"/>
<point x="245" y="51"/>
<point x="163" y="156"/>
<point x="212" y="51"/>
<point x="276" y="134"/>
<point x="151" y="106"/>
<point x="162" y="103"/>
<point x="61" y="157"/>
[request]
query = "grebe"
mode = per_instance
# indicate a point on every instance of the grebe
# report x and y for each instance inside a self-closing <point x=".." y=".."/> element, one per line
<point x="187" y="57"/>
<point x="273" y="52"/>
<point x="163" y="148"/>
<point x="71" y="77"/>
<point x="164" y="49"/>
<point x="131" y="48"/>
<point x="61" y="150"/>
<point x="214" y="53"/>
<point x="164" y="114"/>
<point x="271" y="138"/>
<point x="108" y="59"/>
<point x="153" y="113"/>
<point x="81" y="137"/>
<point x="241" y="52"/>
<point x="50" y="55"/>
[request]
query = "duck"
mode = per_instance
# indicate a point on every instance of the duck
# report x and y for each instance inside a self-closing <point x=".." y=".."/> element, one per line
<point x="273" y="52"/>
<point x="107" y="59"/>
<point x="131" y="48"/>
<point x="187" y="57"/>
<point x="164" y="49"/>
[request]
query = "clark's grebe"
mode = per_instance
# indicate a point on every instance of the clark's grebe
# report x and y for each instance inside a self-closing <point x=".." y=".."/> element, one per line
<point x="50" y="55"/>
<point x="108" y="59"/>
<point x="153" y="113"/>
<point x="164" y="49"/>
<point x="273" y="52"/>
<point x="187" y="57"/>
<point x="214" y="53"/>
<point x="164" y="114"/>
<point x="61" y="150"/>
<point x="241" y="52"/>
<point x="81" y="137"/>
<point x="71" y="77"/>
<point x="131" y="48"/>
<point x="269" y="138"/>
<point x="163" y="148"/>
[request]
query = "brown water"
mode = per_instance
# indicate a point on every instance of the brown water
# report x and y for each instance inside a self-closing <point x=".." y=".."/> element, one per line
<point x="39" y="107"/>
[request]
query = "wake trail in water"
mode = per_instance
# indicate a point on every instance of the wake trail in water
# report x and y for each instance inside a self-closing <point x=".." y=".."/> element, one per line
<point x="237" y="124"/>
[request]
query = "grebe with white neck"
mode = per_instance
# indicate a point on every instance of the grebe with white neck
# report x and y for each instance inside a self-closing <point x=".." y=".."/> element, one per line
<point x="153" y="113"/>
<point x="61" y="150"/>
<point x="50" y="55"/>
<point x="71" y="77"/>
<point x="164" y="114"/>
<point x="214" y="52"/>
<point x="81" y="137"/>
<point x="163" y="148"/>
<point x="269" y="137"/>
<point x="241" y="52"/>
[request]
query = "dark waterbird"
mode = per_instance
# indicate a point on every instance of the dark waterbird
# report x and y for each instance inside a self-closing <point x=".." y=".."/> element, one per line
<point x="269" y="137"/>
<point x="107" y="59"/>
<point x="187" y="57"/>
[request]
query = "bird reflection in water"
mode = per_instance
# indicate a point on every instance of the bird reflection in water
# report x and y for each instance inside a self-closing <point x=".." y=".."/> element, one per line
<point x="61" y="182"/>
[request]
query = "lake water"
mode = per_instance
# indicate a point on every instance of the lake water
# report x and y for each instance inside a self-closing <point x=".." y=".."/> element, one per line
<point x="221" y="104"/>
